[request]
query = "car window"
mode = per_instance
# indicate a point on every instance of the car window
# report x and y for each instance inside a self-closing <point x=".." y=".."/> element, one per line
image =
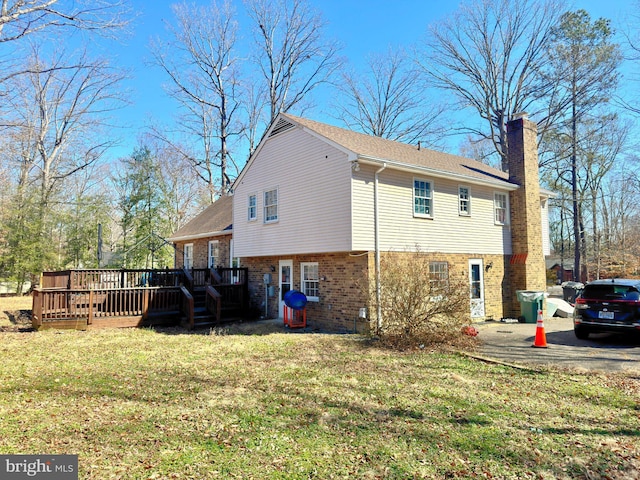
<point x="611" y="292"/>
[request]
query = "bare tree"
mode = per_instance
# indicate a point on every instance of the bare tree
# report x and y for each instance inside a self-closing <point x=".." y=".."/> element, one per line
<point x="21" y="18"/>
<point x="388" y="101"/>
<point x="292" y="55"/>
<point x="488" y="55"/>
<point x="201" y="63"/>
<point x="179" y="190"/>
<point x="631" y="101"/>
<point x="254" y="104"/>
<point x="55" y="119"/>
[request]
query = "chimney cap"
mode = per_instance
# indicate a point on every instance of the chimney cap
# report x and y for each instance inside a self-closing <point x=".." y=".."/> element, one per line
<point x="519" y="115"/>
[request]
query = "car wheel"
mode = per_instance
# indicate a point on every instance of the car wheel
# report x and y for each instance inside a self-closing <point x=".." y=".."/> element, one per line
<point x="581" y="333"/>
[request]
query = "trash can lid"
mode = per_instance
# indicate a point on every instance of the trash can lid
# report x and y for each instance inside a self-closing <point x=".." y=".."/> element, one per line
<point x="530" y="295"/>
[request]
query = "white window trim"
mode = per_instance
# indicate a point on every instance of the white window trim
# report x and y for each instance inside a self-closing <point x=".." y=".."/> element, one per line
<point x="302" y="265"/>
<point x="277" y="204"/>
<point x="209" y="247"/>
<point x="460" y="211"/>
<point x="506" y="208"/>
<point x="255" y="208"/>
<point x="413" y="197"/>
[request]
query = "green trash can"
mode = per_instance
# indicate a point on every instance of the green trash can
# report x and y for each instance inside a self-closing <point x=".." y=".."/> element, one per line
<point x="530" y="302"/>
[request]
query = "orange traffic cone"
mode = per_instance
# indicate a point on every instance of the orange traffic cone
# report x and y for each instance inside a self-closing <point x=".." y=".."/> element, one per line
<point x="541" y="337"/>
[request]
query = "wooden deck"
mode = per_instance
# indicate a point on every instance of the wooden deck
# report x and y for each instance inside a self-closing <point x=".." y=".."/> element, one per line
<point x="88" y="299"/>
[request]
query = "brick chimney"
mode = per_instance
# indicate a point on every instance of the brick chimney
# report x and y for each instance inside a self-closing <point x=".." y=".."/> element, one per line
<point x="526" y="265"/>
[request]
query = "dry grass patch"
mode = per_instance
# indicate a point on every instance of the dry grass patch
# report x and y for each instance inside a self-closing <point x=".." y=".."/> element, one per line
<point x="139" y="404"/>
<point x="15" y="312"/>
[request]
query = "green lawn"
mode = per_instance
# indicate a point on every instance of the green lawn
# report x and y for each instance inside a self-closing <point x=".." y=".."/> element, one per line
<point x="139" y="404"/>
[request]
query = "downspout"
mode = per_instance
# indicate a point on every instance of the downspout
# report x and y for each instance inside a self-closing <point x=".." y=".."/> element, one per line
<point x="376" y="234"/>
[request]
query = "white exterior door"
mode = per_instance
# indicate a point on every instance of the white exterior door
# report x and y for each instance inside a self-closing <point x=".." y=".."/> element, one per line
<point x="284" y="283"/>
<point x="476" y="286"/>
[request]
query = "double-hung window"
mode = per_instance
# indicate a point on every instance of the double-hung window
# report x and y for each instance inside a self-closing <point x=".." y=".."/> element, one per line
<point x="310" y="281"/>
<point x="187" y="256"/>
<point x="501" y="208"/>
<point x="271" y="205"/>
<point x="422" y="198"/>
<point x="438" y="275"/>
<point x="252" y="209"/>
<point x="464" y="201"/>
<point x="214" y="253"/>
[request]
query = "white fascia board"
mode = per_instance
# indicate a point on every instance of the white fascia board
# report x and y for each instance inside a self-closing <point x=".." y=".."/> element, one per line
<point x="544" y="193"/>
<point x="200" y="235"/>
<point x="432" y="172"/>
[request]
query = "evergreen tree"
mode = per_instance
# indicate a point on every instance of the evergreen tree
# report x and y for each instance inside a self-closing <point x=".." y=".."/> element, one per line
<point x="584" y="68"/>
<point x="143" y="208"/>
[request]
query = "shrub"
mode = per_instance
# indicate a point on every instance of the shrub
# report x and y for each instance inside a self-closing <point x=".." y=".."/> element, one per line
<point x="420" y="308"/>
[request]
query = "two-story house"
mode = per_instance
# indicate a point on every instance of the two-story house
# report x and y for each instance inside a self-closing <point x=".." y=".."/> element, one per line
<point x="316" y="206"/>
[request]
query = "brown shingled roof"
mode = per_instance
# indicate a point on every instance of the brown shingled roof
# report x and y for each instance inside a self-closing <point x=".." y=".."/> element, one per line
<point x="215" y="219"/>
<point x="387" y="150"/>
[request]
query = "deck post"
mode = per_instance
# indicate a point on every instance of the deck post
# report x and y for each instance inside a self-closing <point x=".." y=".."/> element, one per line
<point x="145" y="304"/>
<point x="90" y="317"/>
<point x="36" y="313"/>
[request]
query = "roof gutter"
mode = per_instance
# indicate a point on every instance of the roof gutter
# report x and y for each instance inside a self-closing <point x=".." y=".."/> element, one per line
<point x="497" y="182"/>
<point x="200" y="235"/>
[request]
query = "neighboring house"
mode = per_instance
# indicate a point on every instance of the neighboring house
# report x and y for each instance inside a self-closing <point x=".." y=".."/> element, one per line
<point x="206" y="241"/>
<point x="316" y="206"/>
<point x="562" y="269"/>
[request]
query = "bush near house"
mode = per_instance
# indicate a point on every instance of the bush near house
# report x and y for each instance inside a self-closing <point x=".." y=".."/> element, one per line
<point x="419" y="306"/>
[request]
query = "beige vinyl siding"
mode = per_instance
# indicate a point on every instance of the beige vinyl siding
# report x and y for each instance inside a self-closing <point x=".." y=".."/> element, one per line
<point x="313" y="183"/>
<point x="446" y="232"/>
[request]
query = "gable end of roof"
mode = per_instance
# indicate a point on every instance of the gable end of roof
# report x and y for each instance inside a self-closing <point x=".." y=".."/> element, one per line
<point x="282" y="125"/>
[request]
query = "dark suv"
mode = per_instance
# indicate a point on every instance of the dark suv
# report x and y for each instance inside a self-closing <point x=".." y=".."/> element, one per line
<point x="607" y="306"/>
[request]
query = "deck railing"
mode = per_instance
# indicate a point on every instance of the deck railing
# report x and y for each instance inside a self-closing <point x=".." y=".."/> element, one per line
<point x="93" y="306"/>
<point x="213" y="303"/>
<point x="187" y="307"/>
<point x="110" y="278"/>
<point x="127" y="297"/>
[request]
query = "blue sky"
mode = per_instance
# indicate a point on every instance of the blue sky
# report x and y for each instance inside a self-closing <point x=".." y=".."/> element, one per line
<point x="361" y="27"/>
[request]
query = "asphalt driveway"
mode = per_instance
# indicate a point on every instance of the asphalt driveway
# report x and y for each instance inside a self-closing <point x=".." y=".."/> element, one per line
<point x="512" y="342"/>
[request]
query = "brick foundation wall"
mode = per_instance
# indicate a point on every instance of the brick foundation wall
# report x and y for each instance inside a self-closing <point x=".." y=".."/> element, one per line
<point x="495" y="278"/>
<point x="344" y="279"/>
